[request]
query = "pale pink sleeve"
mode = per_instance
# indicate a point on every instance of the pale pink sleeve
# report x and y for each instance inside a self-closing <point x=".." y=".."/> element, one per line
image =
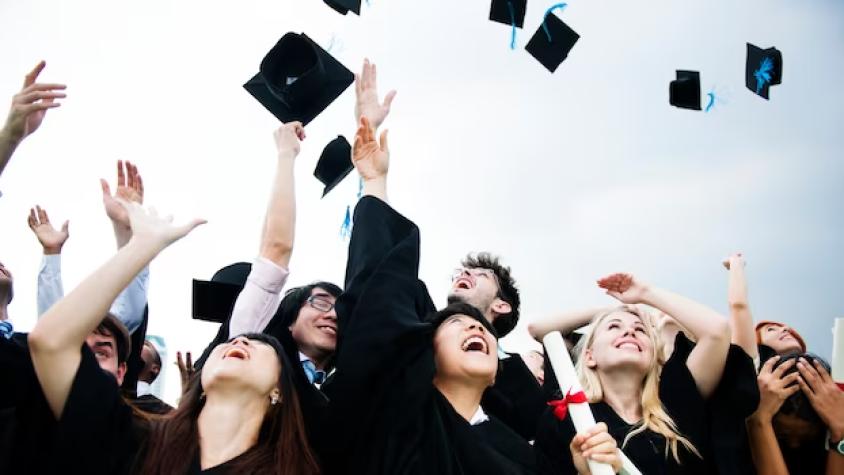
<point x="259" y="300"/>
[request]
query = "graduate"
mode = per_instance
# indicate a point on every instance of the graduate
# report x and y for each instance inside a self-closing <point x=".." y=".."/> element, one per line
<point x="655" y="409"/>
<point x="239" y="414"/>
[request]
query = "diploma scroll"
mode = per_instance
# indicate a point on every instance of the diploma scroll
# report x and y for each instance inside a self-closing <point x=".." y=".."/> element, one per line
<point x="838" y="353"/>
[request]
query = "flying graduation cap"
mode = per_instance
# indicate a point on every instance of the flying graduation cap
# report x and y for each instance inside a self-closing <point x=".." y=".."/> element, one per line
<point x="763" y="69"/>
<point x="509" y="12"/>
<point x="298" y="79"/>
<point x="684" y="92"/>
<point x="551" y="43"/>
<point x="343" y="6"/>
<point x="334" y="163"/>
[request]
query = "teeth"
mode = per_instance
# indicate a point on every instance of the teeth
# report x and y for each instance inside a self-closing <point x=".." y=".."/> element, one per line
<point x="474" y="340"/>
<point x="629" y="345"/>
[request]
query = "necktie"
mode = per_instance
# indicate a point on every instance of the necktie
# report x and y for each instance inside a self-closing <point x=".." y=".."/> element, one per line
<point x="6" y="329"/>
<point x="314" y="375"/>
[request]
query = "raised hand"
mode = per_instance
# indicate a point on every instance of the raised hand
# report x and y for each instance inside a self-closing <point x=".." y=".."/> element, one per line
<point x="366" y="91"/>
<point x="51" y="239"/>
<point x="288" y="138"/>
<point x="774" y="389"/>
<point x="735" y="259"/>
<point x="624" y="287"/>
<point x="597" y="445"/>
<point x="186" y="369"/>
<point x="130" y="188"/>
<point x="30" y="105"/>
<point x="824" y="395"/>
<point x="150" y="229"/>
<point x="371" y="159"/>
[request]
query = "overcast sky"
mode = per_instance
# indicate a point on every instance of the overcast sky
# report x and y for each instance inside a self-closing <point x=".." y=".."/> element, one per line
<point x="568" y="176"/>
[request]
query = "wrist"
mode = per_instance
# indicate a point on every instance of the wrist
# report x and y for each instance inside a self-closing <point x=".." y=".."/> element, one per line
<point x="50" y="251"/>
<point x="760" y="418"/>
<point x="287" y="154"/>
<point x="836" y="433"/>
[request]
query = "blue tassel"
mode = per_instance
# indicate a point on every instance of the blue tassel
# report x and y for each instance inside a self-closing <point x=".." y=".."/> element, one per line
<point x="763" y="74"/>
<point x="360" y="187"/>
<point x="6" y="329"/>
<point x="548" y="12"/>
<point x="512" y="25"/>
<point x="346" y="228"/>
<point x="711" y="96"/>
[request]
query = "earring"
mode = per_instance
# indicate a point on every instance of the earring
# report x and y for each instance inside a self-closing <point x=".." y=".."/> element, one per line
<point x="274" y="399"/>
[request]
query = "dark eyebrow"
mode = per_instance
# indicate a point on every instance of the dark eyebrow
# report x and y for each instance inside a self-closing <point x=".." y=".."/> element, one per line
<point x="103" y="343"/>
<point x="614" y="320"/>
<point x="321" y="294"/>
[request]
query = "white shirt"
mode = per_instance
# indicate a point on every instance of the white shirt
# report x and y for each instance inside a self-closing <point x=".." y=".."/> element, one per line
<point x="258" y="301"/>
<point x="144" y="388"/>
<point x="479" y="418"/>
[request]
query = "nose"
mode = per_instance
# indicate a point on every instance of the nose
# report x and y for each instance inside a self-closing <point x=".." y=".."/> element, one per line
<point x="241" y="340"/>
<point x="476" y="325"/>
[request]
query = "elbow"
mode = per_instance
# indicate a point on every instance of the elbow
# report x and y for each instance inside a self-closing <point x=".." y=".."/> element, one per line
<point x="721" y="331"/>
<point x="41" y="341"/>
<point x="738" y="305"/>
<point x="535" y="331"/>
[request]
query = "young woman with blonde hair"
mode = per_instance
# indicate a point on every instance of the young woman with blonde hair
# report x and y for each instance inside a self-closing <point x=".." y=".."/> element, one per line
<point x="653" y="407"/>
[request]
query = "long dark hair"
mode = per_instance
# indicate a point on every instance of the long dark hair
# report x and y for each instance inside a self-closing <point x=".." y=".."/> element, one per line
<point x="282" y="447"/>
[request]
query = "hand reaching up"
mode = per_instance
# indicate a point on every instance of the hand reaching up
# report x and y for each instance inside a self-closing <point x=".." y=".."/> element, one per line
<point x="50" y="238"/>
<point x="371" y="159"/>
<point x="186" y="369"/>
<point x="288" y="138"/>
<point x="624" y="287"/>
<point x="30" y="105"/>
<point x="152" y="230"/>
<point x="366" y="91"/>
<point x="735" y="259"/>
<point x="130" y="188"/>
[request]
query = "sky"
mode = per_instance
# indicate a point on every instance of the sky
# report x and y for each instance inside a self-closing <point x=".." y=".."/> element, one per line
<point x="568" y="176"/>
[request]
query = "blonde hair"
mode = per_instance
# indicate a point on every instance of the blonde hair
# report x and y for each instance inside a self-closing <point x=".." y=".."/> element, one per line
<point x="654" y="416"/>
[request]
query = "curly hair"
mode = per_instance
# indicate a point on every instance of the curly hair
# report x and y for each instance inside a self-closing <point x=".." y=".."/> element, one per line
<point x="507" y="290"/>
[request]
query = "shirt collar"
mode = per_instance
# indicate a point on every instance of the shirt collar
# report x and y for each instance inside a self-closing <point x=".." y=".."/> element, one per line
<point x="502" y="355"/>
<point x="479" y="418"/>
<point x="144" y="389"/>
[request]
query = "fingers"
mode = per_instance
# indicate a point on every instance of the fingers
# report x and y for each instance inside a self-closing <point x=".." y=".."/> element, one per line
<point x="30" y="97"/>
<point x="42" y="215"/>
<point x="781" y="369"/>
<point x="822" y="372"/>
<point x="179" y="362"/>
<point x="189" y="362"/>
<point x="106" y="189"/>
<point x="810" y="375"/>
<point x="140" y="188"/>
<point x="32" y="220"/>
<point x="388" y="99"/>
<point x="790" y="380"/>
<point x="768" y="367"/>
<point x="121" y="177"/>
<point x="130" y="174"/>
<point x="40" y="106"/>
<point x="30" y="78"/>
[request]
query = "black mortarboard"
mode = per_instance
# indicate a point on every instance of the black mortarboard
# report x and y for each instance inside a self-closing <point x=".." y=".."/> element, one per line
<point x="213" y="300"/>
<point x="334" y="163"/>
<point x="298" y="79"/>
<point x="684" y="91"/>
<point x="343" y="6"/>
<point x="551" y="43"/>
<point x="509" y="12"/>
<point x="763" y="69"/>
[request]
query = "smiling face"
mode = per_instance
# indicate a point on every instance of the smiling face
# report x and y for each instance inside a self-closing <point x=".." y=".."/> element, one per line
<point x="780" y="338"/>
<point x="315" y="328"/>
<point x="6" y="282"/>
<point x="621" y="340"/>
<point x="248" y="365"/>
<point x="465" y="350"/>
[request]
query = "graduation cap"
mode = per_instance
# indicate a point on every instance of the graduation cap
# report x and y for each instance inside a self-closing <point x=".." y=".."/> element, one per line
<point x="298" y="79"/>
<point x="551" y="43"/>
<point x="343" y="6"/>
<point x="213" y="300"/>
<point x="509" y="12"/>
<point x="684" y="92"/>
<point x="763" y="69"/>
<point x="334" y="163"/>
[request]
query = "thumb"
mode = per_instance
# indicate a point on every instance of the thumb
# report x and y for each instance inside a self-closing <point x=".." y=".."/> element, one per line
<point x="614" y="294"/>
<point x="105" y="187"/>
<point x="388" y="99"/>
<point x="185" y="229"/>
<point x="65" y="227"/>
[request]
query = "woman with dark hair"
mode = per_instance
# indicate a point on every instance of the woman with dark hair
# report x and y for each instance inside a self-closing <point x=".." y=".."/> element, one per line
<point x="239" y="415"/>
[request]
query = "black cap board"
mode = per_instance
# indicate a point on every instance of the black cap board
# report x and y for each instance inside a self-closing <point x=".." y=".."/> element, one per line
<point x="763" y="69"/>
<point x="343" y="6"/>
<point x="213" y="300"/>
<point x="509" y="12"/>
<point x="684" y="92"/>
<point x="334" y="163"/>
<point x="298" y="79"/>
<point x="551" y="43"/>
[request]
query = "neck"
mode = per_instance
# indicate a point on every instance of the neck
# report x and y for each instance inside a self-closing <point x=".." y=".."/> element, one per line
<point x="320" y="358"/>
<point x="464" y="396"/>
<point x="623" y="393"/>
<point x="4" y="314"/>
<point x="228" y="426"/>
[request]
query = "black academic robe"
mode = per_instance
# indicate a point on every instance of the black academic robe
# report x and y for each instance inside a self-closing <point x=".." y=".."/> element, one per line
<point x="647" y="450"/>
<point x="386" y="415"/>
<point x="151" y="404"/>
<point x="516" y="398"/>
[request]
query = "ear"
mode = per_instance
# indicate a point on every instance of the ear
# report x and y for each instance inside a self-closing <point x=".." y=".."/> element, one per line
<point x="155" y="370"/>
<point x="500" y="307"/>
<point x="121" y="372"/>
<point x="589" y="359"/>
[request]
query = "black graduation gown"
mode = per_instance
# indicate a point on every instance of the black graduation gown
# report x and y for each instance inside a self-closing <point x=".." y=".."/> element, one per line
<point x="151" y="404"/>
<point x="647" y="450"/>
<point x="516" y="398"/>
<point x="386" y="415"/>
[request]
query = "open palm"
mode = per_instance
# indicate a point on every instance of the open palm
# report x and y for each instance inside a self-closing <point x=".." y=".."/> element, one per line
<point x="50" y="238"/>
<point x="623" y="287"/>
<point x="130" y="188"/>
<point x="371" y="159"/>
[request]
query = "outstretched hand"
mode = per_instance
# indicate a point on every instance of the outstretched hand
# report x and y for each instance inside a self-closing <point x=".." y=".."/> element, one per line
<point x="371" y="159"/>
<point x="288" y="137"/>
<point x="30" y="105"/>
<point x="774" y="387"/>
<point x="186" y="369"/>
<point x="130" y="188"/>
<point x="735" y="259"/>
<point x="151" y="229"/>
<point x="624" y="288"/>
<point x="50" y="238"/>
<point x="824" y="395"/>
<point x="366" y="91"/>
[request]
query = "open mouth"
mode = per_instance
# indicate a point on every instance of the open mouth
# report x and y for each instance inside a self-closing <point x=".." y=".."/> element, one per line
<point x="475" y="343"/>
<point x="237" y="353"/>
<point x="628" y="344"/>
<point x="463" y="283"/>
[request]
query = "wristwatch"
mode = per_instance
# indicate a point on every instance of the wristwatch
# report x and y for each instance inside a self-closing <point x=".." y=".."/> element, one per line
<point x="836" y="446"/>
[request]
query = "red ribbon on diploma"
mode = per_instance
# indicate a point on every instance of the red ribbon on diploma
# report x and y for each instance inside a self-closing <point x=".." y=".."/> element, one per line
<point x="561" y="406"/>
<point x="840" y="386"/>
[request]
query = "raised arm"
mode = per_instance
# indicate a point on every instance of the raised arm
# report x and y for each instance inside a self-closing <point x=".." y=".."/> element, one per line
<point x="367" y="106"/>
<point x="50" y="289"/>
<point x="707" y="359"/>
<point x="371" y="159"/>
<point x="258" y="301"/>
<point x="29" y="106"/>
<point x="55" y="341"/>
<point x="566" y="323"/>
<point x="129" y="306"/>
<point x="741" y="320"/>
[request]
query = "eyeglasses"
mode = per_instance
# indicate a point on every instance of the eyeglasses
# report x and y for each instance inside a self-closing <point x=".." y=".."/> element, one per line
<point x="476" y="272"/>
<point x="320" y="303"/>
